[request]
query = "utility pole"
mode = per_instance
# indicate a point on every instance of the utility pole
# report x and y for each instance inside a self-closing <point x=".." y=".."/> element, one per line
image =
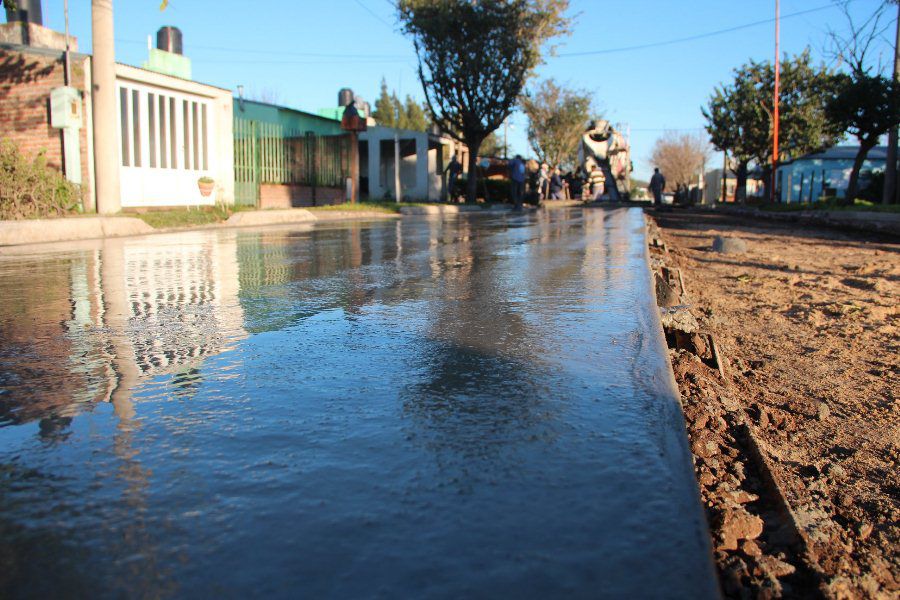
<point x="103" y="64"/>
<point x="890" y="168"/>
<point x="776" y="98"/>
<point x="724" y="176"/>
<point x="397" y="166"/>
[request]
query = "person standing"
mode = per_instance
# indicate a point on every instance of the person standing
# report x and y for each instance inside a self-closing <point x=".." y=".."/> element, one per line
<point x="657" y="185"/>
<point x="543" y="182"/>
<point x="517" y="180"/>
<point x="556" y="185"/>
<point x="453" y="171"/>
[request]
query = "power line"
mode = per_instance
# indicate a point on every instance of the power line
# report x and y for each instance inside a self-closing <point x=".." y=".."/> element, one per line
<point x="337" y="61"/>
<point x="695" y="37"/>
<point x="645" y="129"/>
<point x="373" y="13"/>
<point x="280" y="52"/>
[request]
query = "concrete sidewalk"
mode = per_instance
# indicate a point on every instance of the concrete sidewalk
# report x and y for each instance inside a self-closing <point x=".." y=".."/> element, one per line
<point x="39" y="231"/>
<point x="66" y="229"/>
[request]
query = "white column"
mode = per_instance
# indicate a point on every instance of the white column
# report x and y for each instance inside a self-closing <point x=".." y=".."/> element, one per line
<point x="421" y="189"/>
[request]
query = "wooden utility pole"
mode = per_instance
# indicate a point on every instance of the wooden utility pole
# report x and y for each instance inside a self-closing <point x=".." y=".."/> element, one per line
<point x="724" y="176"/>
<point x="890" y="168"/>
<point x="776" y="116"/>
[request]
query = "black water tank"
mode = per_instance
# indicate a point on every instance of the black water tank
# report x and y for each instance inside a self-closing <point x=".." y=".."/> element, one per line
<point x="345" y="97"/>
<point x="28" y="11"/>
<point x="169" y="39"/>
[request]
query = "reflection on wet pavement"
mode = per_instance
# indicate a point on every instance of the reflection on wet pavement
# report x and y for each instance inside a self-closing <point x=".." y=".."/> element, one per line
<point x="471" y="406"/>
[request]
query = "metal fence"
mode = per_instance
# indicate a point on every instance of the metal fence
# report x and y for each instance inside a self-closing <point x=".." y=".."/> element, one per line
<point x="272" y="153"/>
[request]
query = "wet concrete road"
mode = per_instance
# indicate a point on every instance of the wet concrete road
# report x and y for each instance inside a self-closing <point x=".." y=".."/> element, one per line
<point x="473" y="407"/>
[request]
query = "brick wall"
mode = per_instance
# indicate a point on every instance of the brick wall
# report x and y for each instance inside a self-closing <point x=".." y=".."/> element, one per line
<point x="26" y="79"/>
<point x="273" y="195"/>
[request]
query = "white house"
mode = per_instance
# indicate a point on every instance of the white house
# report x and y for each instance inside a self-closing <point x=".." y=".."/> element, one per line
<point x="172" y="131"/>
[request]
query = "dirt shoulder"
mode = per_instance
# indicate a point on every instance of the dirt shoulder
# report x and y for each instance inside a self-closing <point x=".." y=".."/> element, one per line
<point x="797" y="446"/>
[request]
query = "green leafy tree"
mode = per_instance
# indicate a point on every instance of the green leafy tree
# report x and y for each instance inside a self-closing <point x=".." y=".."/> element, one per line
<point x="414" y="115"/>
<point x="557" y="117"/>
<point x="732" y="115"/>
<point x="385" y="112"/>
<point x="391" y="112"/>
<point x="866" y="106"/>
<point x="474" y="59"/>
<point x="740" y="117"/>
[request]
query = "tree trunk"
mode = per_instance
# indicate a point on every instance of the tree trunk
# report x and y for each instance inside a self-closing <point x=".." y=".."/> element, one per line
<point x="740" y="191"/>
<point x="767" y="181"/>
<point x="474" y="143"/>
<point x="853" y="184"/>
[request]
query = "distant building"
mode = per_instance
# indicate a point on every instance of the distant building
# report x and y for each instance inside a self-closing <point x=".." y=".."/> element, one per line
<point x="713" y="180"/>
<point x="826" y="174"/>
<point x="286" y="157"/>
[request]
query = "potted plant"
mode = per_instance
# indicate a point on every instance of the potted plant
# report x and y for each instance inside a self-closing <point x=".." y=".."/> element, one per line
<point x="206" y="185"/>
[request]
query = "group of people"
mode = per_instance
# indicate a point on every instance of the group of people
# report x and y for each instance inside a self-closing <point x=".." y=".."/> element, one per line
<point x="551" y="184"/>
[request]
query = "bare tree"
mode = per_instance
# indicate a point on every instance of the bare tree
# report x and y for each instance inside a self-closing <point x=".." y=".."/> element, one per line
<point x="854" y="48"/>
<point x="680" y="157"/>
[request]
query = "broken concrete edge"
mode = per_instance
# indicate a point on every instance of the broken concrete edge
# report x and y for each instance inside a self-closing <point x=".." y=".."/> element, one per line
<point x="70" y="229"/>
<point x="866" y="221"/>
<point x="756" y="449"/>
<point x="660" y="380"/>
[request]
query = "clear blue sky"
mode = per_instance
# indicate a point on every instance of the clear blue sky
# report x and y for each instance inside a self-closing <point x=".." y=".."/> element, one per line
<point x="303" y="52"/>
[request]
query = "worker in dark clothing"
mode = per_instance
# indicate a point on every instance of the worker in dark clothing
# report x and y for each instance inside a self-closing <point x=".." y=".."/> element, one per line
<point x="556" y="185"/>
<point x="657" y="185"/>
<point x="517" y="181"/>
<point x="453" y="171"/>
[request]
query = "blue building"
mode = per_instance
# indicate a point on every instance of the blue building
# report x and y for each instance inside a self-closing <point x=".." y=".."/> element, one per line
<point x="827" y="173"/>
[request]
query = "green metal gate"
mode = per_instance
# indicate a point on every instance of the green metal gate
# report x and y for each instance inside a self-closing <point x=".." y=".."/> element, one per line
<point x="271" y="153"/>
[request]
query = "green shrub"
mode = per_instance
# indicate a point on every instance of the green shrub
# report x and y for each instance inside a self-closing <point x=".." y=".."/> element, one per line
<point x="31" y="189"/>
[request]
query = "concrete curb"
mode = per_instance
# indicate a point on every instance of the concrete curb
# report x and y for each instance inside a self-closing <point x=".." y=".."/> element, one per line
<point x="252" y="218"/>
<point x="76" y="228"/>
<point x="439" y="209"/>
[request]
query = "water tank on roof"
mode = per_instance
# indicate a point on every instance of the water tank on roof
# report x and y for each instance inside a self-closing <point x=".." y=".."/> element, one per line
<point x="26" y="11"/>
<point x="345" y="97"/>
<point x="169" y="39"/>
